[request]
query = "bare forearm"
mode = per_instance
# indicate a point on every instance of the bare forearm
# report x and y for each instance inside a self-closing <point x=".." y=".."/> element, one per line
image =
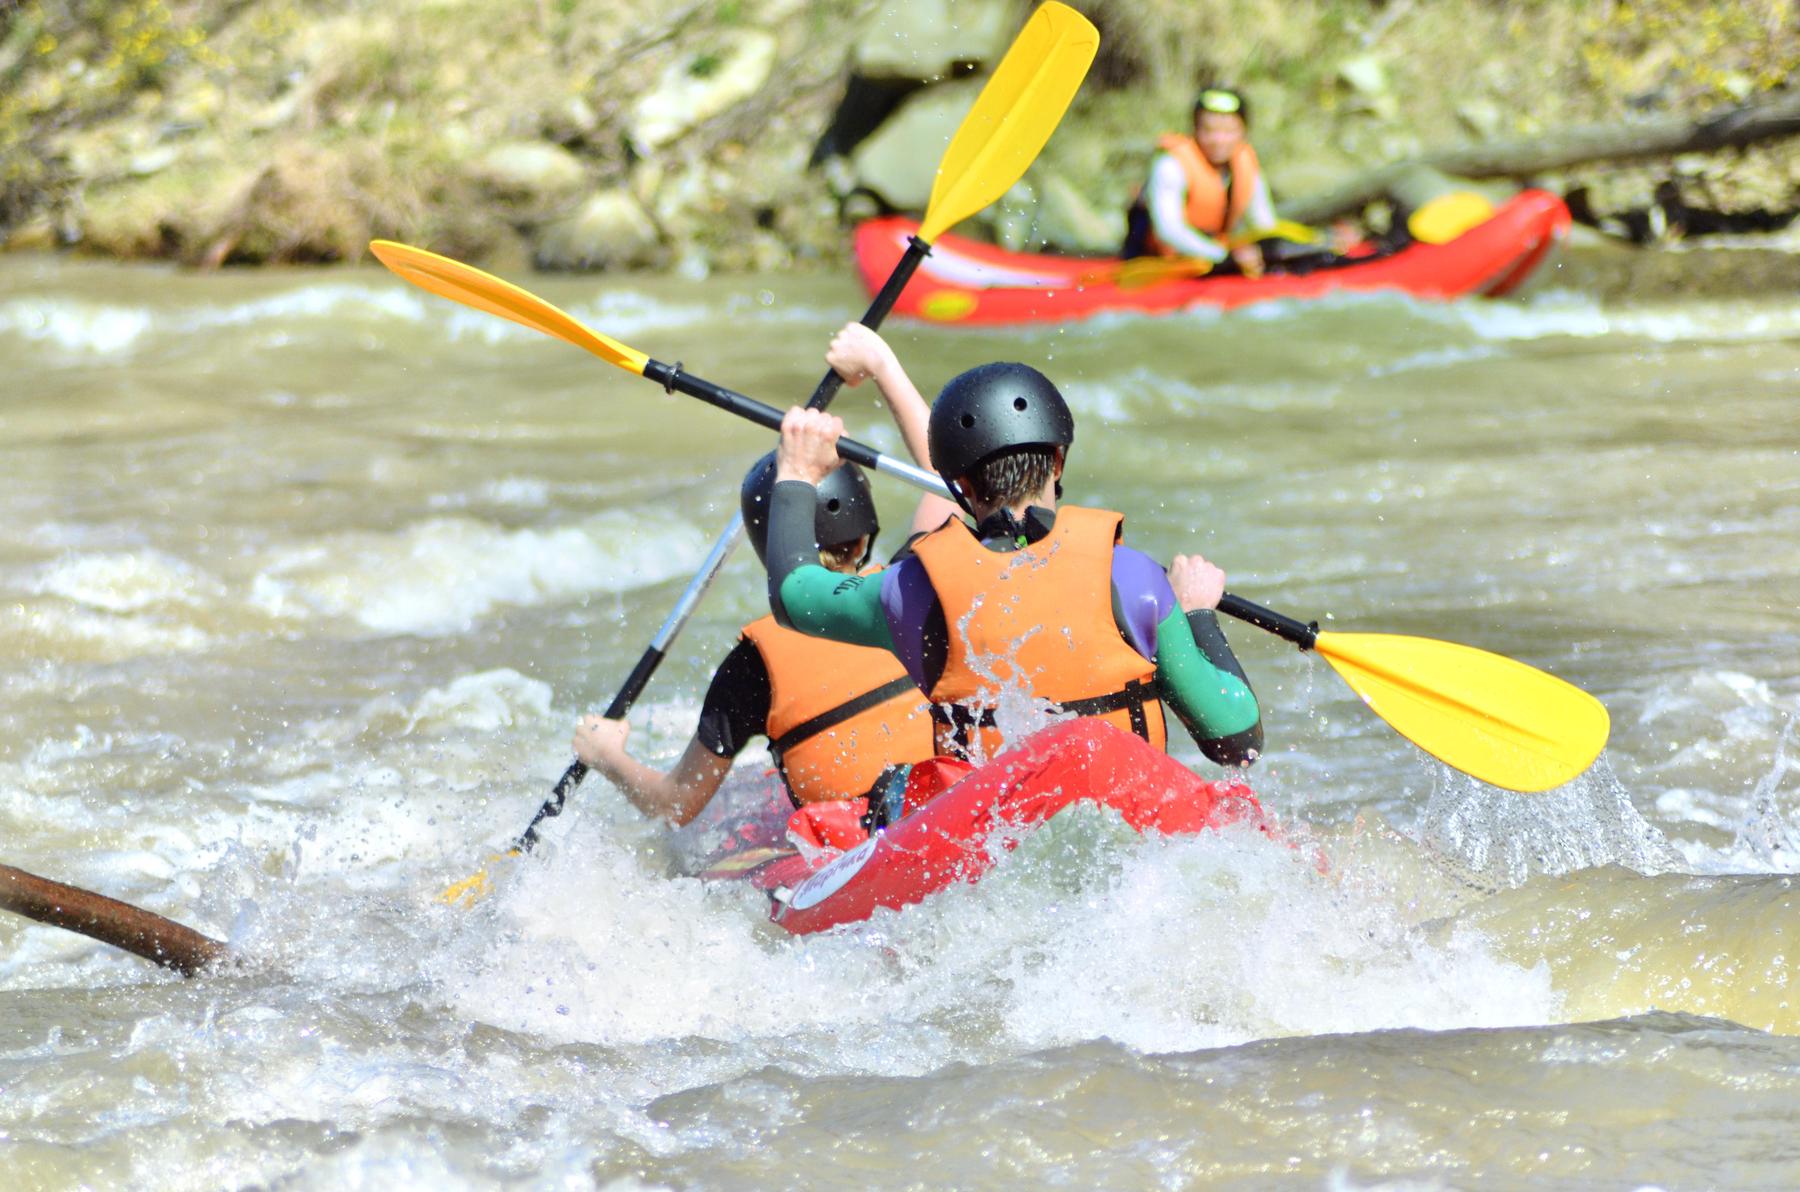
<point x="676" y="796"/>
<point x="913" y="417"/>
<point x="908" y="408"/>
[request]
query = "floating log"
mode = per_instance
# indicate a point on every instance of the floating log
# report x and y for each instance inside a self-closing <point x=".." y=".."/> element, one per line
<point x="138" y="931"/>
<point x="1664" y="136"/>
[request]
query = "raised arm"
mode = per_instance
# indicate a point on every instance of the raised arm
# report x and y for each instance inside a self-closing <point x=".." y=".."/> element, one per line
<point x="858" y="353"/>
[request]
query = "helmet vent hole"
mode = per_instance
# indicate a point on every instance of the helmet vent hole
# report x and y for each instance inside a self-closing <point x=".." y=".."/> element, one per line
<point x="968" y="420"/>
<point x="1020" y="403"/>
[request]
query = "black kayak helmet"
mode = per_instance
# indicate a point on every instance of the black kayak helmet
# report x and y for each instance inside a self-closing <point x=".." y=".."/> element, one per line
<point x="846" y="509"/>
<point x="991" y="410"/>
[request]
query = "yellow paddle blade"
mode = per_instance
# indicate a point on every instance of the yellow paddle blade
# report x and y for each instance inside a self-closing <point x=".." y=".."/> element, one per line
<point x="1140" y="272"/>
<point x="483" y="291"/>
<point x="1448" y="216"/>
<point x="1281" y="229"/>
<point x="1491" y="717"/>
<point x="476" y="886"/>
<point x="1014" y="115"/>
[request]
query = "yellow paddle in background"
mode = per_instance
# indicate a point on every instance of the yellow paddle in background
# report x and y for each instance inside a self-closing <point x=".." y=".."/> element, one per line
<point x="1013" y="116"/>
<point x="1137" y="273"/>
<point x="1448" y="216"/>
<point x="1492" y="717"/>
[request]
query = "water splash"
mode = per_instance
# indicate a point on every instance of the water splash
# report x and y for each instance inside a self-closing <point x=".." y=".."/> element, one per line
<point x="1498" y="839"/>
<point x="1769" y="836"/>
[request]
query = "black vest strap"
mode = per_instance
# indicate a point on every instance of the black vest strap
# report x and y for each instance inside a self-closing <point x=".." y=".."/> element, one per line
<point x="1135" y="696"/>
<point x="832" y="717"/>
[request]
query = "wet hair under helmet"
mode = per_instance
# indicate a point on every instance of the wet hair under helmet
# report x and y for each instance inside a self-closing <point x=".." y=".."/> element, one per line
<point x="1222" y="99"/>
<point x="846" y="509"/>
<point x="993" y="409"/>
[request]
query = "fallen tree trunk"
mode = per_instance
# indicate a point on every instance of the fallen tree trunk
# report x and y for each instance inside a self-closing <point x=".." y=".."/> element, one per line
<point x="162" y="941"/>
<point x="1664" y="136"/>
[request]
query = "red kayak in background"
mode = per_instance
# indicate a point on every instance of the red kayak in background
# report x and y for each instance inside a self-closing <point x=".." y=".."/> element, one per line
<point x="960" y="834"/>
<point x="964" y="281"/>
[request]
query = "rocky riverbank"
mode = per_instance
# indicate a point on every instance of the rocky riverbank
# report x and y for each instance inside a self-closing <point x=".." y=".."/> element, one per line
<point x="748" y="134"/>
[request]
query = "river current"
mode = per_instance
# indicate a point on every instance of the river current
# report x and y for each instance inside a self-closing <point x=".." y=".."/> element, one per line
<point x="305" y="577"/>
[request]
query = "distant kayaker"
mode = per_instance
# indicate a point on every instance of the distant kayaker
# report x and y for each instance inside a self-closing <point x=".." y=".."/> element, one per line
<point x="839" y="718"/>
<point x="1036" y="600"/>
<point x="1204" y="188"/>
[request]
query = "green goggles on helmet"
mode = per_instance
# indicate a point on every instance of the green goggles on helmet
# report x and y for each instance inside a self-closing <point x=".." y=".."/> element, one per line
<point x="1225" y="103"/>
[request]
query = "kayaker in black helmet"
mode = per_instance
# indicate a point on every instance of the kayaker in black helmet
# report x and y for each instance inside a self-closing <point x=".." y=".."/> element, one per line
<point x="1033" y="599"/>
<point x="1203" y="188"/>
<point x="838" y="717"/>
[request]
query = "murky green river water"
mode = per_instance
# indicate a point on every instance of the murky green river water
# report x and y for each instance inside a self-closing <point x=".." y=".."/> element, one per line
<point x="304" y="579"/>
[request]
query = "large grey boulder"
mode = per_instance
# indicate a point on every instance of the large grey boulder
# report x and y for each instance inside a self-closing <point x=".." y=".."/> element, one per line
<point x="610" y="231"/>
<point x="927" y="39"/>
<point x="695" y="87"/>
<point x="899" y="160"/>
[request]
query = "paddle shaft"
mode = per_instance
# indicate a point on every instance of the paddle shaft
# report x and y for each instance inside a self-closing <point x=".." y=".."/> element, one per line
<point x="671" y="377"/>
<point x="1301" y="634"/>
<point x="727" y="541"/>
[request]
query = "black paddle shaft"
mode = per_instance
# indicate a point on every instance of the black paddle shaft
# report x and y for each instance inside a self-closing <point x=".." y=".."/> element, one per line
<point x="653" y="655"/>
<point x="733" y="402"/>
<point x="1298" y="632"/>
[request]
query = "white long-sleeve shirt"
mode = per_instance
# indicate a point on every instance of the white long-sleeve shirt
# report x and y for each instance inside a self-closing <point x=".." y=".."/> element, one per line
<point x="1167" y="201"/>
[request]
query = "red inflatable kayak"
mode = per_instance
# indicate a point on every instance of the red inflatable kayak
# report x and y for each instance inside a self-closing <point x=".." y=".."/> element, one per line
<point x="961" y="833"/>
<point x="963" y="281"/>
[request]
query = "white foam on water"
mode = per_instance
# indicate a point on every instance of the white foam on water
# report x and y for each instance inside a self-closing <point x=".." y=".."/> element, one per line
<point x="1087" y="931"/>
<point x="1430" y="359"/>
<point x="78" y="632"/>
<point x="127" y="581"/>
<point x="112" y="329"/>
<point x="320" y="300"/>
<point x="439" y="576"/>
<point x="1567" y="314"/>
<point x="1215" y="940"/>
<point x="518" y="492"/>
<point x="74" y="326"/>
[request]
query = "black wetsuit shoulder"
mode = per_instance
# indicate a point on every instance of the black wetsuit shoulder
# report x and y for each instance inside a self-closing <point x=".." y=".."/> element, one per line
<point x="736" y="708"/>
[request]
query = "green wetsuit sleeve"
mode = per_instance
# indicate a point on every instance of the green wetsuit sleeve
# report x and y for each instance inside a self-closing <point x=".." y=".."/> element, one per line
<point x="1217" y="707"/>
<point x="845" y="608"/>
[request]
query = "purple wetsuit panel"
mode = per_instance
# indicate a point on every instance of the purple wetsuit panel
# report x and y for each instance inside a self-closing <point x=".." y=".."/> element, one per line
<point x="1143" y="597"/>
<point x="907" y="599"/>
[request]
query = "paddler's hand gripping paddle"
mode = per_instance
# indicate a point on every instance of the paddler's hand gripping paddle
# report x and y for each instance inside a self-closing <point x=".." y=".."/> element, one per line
<point x="1017" y="110"/>
<point x="1489" y="716"/>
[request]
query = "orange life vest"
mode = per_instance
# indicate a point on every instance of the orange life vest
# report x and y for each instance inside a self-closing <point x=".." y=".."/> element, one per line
<point x="1210" y="209"/>
<point x="1039" y="618"/>
<point x="838" y="714"/>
